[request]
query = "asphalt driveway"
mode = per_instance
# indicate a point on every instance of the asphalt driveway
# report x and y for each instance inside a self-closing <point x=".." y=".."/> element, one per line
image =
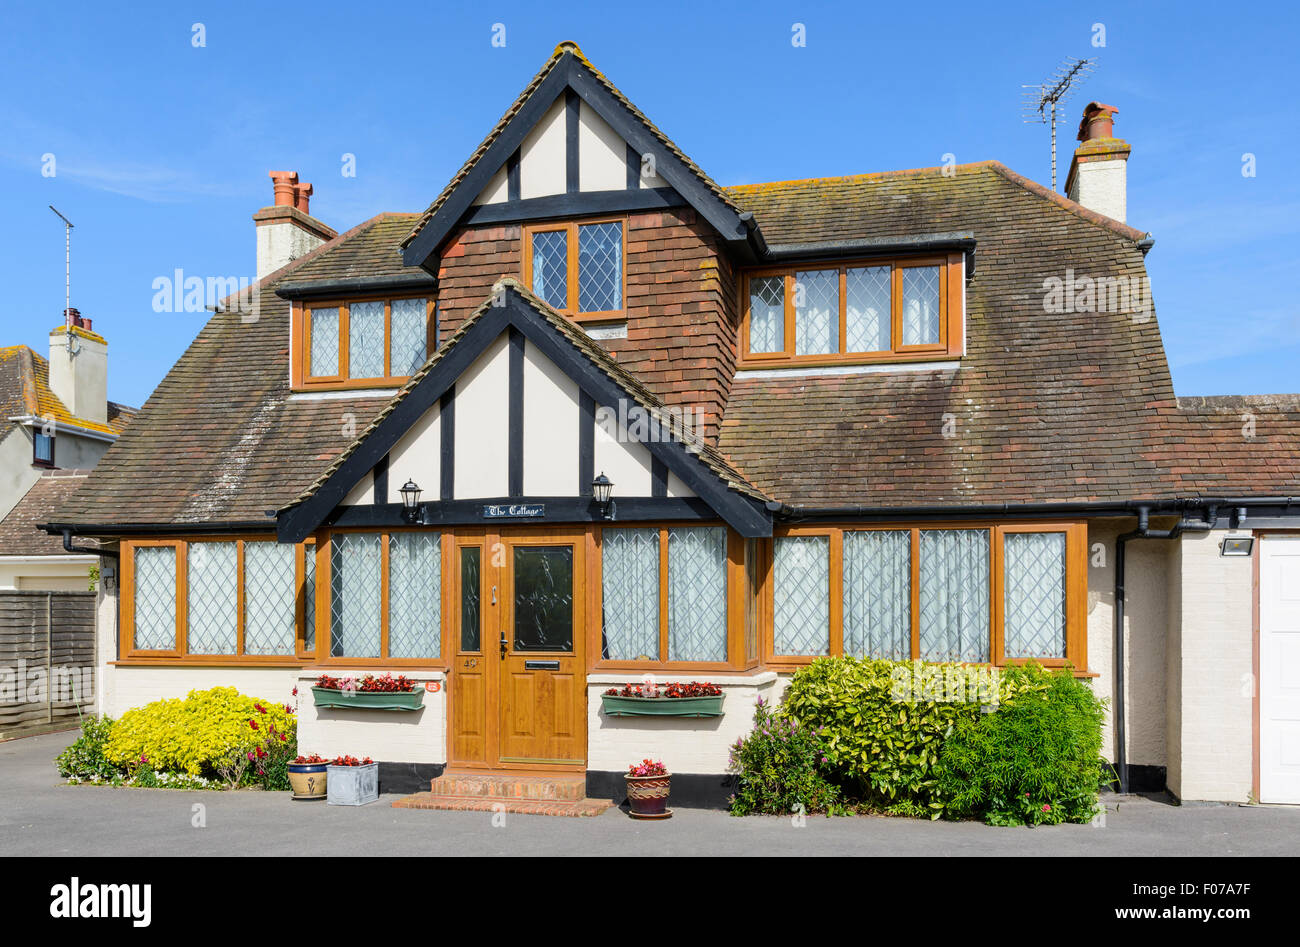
<point x="41" y="816"/>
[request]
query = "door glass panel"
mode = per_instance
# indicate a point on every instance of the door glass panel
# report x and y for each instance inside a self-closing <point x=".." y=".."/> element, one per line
<point x="470" y="589"/>
<point x="543" y="604"/>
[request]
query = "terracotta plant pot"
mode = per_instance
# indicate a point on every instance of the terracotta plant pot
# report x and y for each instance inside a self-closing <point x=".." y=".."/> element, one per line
<point x="308" y="780"/>
<point x="648" y="796"/>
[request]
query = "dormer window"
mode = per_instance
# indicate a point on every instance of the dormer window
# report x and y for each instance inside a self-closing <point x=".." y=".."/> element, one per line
<point x="43" y="449"/>
<point x="577" y="267"/>
<point x="875" y="310"/>
<point x="363" y="342"/>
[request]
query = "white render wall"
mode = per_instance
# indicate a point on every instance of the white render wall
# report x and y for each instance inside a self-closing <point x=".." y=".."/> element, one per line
<point x="1102" y="186"/>
<point x="392" y="736"/>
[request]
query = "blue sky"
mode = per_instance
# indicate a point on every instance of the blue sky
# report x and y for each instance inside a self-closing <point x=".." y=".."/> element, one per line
<point x="162" y="149"/>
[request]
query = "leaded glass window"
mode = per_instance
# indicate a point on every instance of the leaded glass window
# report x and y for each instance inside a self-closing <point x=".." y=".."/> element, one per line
<point x="325" y="342"/>
<point x="801" y="577"/>
<point x="867" y="313"/>
<point x="551" y="267"/>
<point x="155" y="598"/>
<point x="211" y="606"/>
<point x="543" y="598"/>
<point x="697" y="593"/>
<point x="766" y="314"/>
<point x="270" y="619"/>
<point x="366" y="340"/>
<point x="954" y="595"/>
<point x="816" y="312"/>
<point x="1034" y="585"/>
<point x="355" y="598"/>
<point x="471" y="588"/>
<point x="414" y="595"/>
<point x="878" y="593"/>
<point x="408" y="349"/>
<point x="921" y="305"/>
<point x="309" y="597"/>
<point x="630" y="594"/>
<point x="600" y="267"/>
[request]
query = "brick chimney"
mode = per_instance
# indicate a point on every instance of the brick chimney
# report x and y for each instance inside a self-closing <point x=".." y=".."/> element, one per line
<point x="286" y="230"/>
<point x="1099" y="170"/>
<point x="79" y="368"/>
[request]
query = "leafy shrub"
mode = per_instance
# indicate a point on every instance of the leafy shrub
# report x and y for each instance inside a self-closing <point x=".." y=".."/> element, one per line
<point x="780" y="768"/>
<point x="1034" y="762"/>
<point x="271" y="763"/>
<point x="85" y="758"/>
<point x="198" y="735"/>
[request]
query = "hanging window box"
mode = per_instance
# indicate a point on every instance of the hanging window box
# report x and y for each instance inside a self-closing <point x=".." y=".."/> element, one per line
<point x="368" y="693"/>
<point x="671" y="700"/>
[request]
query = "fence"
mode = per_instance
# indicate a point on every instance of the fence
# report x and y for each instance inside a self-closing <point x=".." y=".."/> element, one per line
<point x="47" y="660"/>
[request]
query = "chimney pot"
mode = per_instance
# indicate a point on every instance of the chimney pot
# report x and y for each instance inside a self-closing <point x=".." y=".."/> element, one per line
<point x="1098" y="121"/>
<point x="1098" y="176"/>
<point x="287" y="230"/>
<point x="285" y="184"/>
<point x="72" y="317"/>
<point x="302" y="197"/>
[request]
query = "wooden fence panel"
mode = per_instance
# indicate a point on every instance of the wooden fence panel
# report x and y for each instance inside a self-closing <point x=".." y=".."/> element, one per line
<point x="47" y="660"/>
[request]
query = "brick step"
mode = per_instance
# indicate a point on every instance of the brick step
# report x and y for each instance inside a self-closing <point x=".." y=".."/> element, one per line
<point x="522" y="806"/>
<point x="523" y="787"/>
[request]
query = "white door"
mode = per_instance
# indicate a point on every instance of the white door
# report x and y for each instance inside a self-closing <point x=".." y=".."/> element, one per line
<point x="1279" y="669"/>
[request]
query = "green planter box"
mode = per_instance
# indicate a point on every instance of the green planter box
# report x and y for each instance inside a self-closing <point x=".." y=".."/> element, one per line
<point x="361" y="700"/>
<point x="662" y="706"/>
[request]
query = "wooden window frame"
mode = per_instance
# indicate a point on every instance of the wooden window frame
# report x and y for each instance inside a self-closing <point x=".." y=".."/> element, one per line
<point x="735" y="595"/>
<point x="303" y="380"/>
<point x="951" y="307"/>
<point x="1076" y="597"/>
<point x="37" y="460"/>
<point x="129" y="654"/>
<point x="570" y="227"/>
<point x="325" y="588"/>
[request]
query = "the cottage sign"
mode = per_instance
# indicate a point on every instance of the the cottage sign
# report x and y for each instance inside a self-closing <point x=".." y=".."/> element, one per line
<point x="496" y="511"/>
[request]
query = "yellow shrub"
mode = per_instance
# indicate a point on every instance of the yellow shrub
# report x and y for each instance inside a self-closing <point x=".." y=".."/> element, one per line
<point x="194" y="734"/>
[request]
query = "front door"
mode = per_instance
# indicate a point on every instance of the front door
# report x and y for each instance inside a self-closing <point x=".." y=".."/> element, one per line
<point x="518" y="681"/>
<point x="1279" y="669"/>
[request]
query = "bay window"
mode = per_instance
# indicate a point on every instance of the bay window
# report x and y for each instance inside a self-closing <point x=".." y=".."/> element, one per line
<point x="386" y="597"/>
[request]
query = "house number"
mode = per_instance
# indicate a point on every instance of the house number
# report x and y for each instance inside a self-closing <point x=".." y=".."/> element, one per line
<point x="470" y="663"/>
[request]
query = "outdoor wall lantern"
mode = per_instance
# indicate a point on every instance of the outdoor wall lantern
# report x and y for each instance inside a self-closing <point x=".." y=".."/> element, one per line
<point x="1237" y="546"/>
<point x="411" y="509"/>
<point x="602" y="488"/>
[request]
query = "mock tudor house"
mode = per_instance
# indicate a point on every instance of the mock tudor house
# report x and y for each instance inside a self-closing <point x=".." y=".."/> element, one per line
<point x="592" y="417"/>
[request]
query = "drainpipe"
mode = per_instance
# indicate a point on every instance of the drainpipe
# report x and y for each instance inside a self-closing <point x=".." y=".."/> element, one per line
<point x="1143" y="531"/>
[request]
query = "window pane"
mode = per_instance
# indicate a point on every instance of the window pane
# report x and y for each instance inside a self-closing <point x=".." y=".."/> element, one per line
<point x="697" y="593"/>
<point x="801" y="621"/>
<point x="409" y="347"/>
<point x="751" y="599"/>
<point x="767" y="314"/>
<point x="816" y="312"/>
<point x="600" y="267"/>
<point x="354" y="603"/>
<point x="366" y="340"/>
<point x="543" y="583"/>
<point x="414" y="595"/>
<point x="471" y="588"/>
<point x="1034" y="625"/>
<point x="269" y="619"/>
<point x="155" y="598"/>
<point x="920" y="305"/>
<point x="551" y="267"/>
<point x="878" y="593"/>
<point x="866" y="318"/>
<point x="324" y="342"/>
<point x="630" y="594"/>
<point x="210" y="608"/>
<point x="954" y="595"/>
<point x="309" y="597"/>
<point x="44" y="448"/>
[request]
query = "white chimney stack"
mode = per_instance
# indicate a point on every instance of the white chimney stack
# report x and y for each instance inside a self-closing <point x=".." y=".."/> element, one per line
<point x="1099" y="170"/>
<point x="286" y="230"/>
<point x="79" y="368"/>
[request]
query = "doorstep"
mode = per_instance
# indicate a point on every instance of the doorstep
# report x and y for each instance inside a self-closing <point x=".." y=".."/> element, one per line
<point x="518" y="792"/>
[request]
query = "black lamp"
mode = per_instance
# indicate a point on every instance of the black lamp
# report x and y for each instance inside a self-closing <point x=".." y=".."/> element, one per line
<point x="411" y="501"/>
<point x="602" y="488"/>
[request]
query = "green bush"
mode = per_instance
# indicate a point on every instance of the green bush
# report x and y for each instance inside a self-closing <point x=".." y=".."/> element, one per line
<point x="85" y="758"/>
<point x="779" y="769"/>
<point x="1036" y="761"/>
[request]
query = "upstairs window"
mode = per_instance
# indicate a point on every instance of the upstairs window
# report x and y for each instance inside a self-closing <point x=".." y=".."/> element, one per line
<point x="878" y="310"/>
<point x="43" y="450"/>
<point x="577" y="268"/>
<point x="364" y="341"/>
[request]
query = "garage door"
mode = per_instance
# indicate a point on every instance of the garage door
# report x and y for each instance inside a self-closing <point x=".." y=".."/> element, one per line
<point x="1279" y="669"/>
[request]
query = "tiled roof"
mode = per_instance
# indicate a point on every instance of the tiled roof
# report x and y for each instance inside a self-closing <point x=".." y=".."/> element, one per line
<point x="1238" y="445"/>
<point x="25" y="392"/>
<point x="51" y="492"/>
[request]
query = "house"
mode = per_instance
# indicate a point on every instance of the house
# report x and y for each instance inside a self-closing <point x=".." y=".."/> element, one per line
<point x="56" y="422"/>
<point x="916" y="414"/>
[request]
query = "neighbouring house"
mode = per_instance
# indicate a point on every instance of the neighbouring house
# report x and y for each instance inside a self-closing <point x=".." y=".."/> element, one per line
<point x="56" y="422"/>
<point x="915" y="414"/>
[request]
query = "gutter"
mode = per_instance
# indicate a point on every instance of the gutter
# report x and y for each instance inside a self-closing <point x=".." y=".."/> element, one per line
<point x="31" y="420"/>
<point x="84" y="550"/>
<point x="963" y="240"/>
<point x="320" y="288"/>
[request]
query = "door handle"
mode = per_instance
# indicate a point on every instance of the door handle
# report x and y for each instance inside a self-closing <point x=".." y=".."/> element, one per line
<point x="504" y="646"/>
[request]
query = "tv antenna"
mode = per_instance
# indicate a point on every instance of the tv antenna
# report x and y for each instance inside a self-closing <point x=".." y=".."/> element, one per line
<point x="67" y="262"/>
<point x="1041" y="101"/>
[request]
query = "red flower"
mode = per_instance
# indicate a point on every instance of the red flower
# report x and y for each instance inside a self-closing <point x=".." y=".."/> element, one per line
<point x="1046" y="807"/>
<point x="260" y="709"/>
<point x="295" y="694"/>
<point x="253" y="724"/>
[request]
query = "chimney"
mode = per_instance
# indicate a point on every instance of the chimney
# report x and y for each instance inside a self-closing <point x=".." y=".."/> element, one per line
<point x="1098" y="172"/>
<point x="79" y="368"/>
<point x="286" y="230"/>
